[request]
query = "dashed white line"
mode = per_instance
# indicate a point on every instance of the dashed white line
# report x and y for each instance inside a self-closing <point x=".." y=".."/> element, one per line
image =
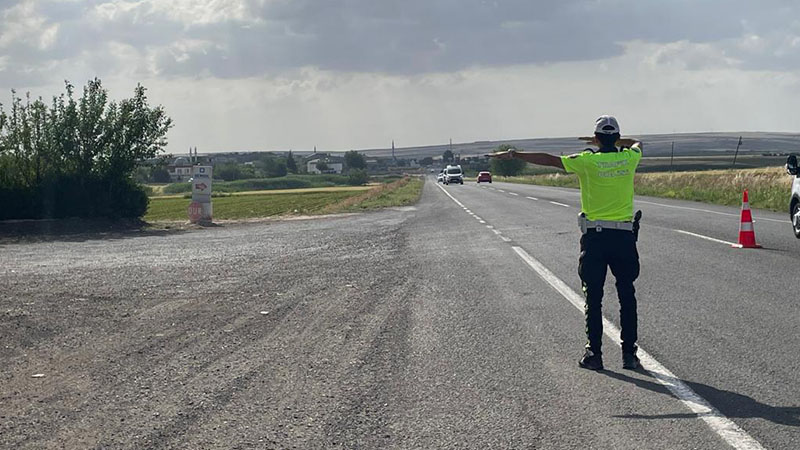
<point x="500" y="190"/>
<point x="489" y="227"/>
<point x="560" y="204"/>
<point x="512" y="193"/>
<point x="532" y="198"/>
<point x="505" y="239"/>
<point x="477" y="217"/>
<point x="724" y="427"/>
<point x="497" y="232"/>
<point x="708" y="238"/>
<point x="482" y="221"/>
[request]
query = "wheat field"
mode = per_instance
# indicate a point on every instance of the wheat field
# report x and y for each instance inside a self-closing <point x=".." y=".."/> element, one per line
<point x="768" y="188"/>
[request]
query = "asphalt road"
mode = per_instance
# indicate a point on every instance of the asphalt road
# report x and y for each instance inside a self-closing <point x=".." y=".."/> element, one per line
<point x="408" y="328"/>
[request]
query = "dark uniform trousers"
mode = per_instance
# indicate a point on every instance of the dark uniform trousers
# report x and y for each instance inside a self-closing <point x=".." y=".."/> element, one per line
<point x="600" y="250"/>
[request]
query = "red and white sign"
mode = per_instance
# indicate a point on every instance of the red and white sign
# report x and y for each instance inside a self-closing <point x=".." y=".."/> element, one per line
<point x="195" y="211"/>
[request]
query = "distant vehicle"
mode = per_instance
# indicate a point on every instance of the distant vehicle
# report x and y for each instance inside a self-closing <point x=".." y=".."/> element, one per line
<point x="794" y="201"/>
<point x="440" y="176"/>
<point x="484" y="177"/>
<point x="453" y="174"/>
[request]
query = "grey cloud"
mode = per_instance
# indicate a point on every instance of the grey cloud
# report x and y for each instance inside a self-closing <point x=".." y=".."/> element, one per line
<point x="417" y="36"/>
<point x="411" y="36"/>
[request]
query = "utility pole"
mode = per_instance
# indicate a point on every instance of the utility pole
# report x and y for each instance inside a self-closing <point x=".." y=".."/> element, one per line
<point x="671" y="156"/>
<point x="737" y="152"/>
<point x="393" y="157"/>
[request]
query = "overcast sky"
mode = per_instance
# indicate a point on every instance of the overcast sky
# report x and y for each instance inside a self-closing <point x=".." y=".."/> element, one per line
<point x="354" y="74"/>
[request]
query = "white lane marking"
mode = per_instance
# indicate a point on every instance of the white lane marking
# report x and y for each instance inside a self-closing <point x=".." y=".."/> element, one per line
<point x="512" y="193"/>
<point x="724" y="427"/>
<point x="705" y="237"/>
<point x="468" y="211"/>
<point x="489" y="227"/>
<point x="505" y="239"/>
<point x="500" y="190"/>
<point x="477" y="217"/>
<point x="708" y="211"/>
<point x="451" y="197"/>
<point x="482" y="221"/>
<point x="497" y="232"/>
<point x="560" y="204"/>
<point x="532" y="198"/>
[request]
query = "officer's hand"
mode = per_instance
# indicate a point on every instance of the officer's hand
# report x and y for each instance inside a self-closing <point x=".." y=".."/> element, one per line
<point x="626" y="142"/>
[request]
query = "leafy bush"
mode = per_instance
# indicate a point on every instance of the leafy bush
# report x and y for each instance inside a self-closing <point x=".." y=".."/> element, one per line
<point x="357" y="177"/>
<point x="73" y="196"/>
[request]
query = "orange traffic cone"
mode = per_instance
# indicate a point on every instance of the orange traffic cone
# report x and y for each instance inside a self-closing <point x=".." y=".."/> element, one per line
<point x="747" y="235"/>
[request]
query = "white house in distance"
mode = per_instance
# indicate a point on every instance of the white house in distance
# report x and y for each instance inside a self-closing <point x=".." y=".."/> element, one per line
<point x="335" y="163"/>
<point x="180" y="169"/>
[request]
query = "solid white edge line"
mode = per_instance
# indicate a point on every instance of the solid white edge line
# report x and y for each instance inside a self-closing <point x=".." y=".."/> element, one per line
<point x="708" y="238"/>
<point x="559" y="204"/>
<point x="724" y="427"/>
<point x="708" y="211"/>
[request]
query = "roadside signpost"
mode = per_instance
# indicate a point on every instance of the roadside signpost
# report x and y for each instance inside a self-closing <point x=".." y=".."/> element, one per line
<point x="200" y="210"/>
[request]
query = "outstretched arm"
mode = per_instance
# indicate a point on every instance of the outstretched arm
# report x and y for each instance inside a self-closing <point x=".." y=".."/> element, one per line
<point x="542" y="159"/>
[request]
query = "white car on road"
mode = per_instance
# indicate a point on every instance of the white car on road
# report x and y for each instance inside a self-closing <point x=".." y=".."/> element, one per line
<point x="453" y="174"/>
<point x="794" y="202"/>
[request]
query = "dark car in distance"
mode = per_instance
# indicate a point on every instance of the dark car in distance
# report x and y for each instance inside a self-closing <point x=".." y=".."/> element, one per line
<point x="484" y="177"/>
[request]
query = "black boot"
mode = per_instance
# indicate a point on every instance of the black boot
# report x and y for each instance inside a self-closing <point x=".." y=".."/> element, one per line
<point x="591" y="361"/>
<point x="630" y="360"/>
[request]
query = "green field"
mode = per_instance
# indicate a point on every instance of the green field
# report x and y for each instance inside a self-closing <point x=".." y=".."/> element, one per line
<point x="262" y="184"/>
<point x="271" y="204"/>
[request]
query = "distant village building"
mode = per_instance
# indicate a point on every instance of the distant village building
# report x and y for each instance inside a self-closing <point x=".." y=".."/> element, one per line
<point x="180" y="169"/>
<point x="335" y="163"/>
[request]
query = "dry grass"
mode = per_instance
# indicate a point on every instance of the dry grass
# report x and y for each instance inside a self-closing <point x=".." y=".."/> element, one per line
<point x="404" y="191"/>
<point x="768" y="188"/>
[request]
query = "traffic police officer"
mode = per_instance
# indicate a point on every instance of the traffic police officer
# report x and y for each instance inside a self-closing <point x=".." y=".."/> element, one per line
<point x="609" y="231"/>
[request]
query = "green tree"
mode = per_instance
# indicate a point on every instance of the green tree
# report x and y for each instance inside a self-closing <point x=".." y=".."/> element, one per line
<point x="426" y="161"/>
<point x="228" y="172"/>
<point x="77" y="157"/>
<point x="357" y="177"/>
<point x="159" y="175"/>
<point x="507" y="167"/>
<point x="447" y="156"/>
<point x="291" y="164"/>
<point x="354" y="160"/>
